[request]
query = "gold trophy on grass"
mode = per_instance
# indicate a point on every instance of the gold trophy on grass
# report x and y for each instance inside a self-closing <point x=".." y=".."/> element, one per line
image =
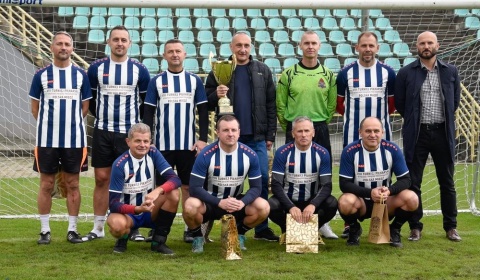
<point x="223" y="71"/>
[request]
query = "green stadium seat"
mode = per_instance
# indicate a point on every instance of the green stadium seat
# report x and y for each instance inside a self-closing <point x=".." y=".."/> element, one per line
<point x="258" y="24"/>
<point x="371" y="27"/>
<point x="384" y="50"/>
<point x="408" y="60"/>
<point x="355" y="13"/>
<point x="205" y="36"/>
<point x="392" y="36"/>
<point x="305" y="13"/>
<point x="133" y="51"/>
<point x="206" y="65"/>
<point x="184" y="23"/>
<point x="190" y="49"/>
<point x="297" y="36"/>
<point x="66" y="11"/>
<point x="148" y="12"/>
<point x="107" y="50"/>
<point x="132" y="12"/>
<point x="224" y="36"/>
<point x="401" y="50"/>
<point x="375" y="13"/>
<point x="267" y="50"/>
<point x="200" y="12"/>
<point x="218" y="13"/>
<point x="82" y="11"/>
<point x="294" y="23"/>
<point x="239" y="23"/>
<point x="262" y="36"/>
<point x="134" y="36"/>
<point x="115" y="12"/>
<point x="80" y="22"/>
<point x="225" y="51"/>
<point x="276" y="23"/>
<point x="274" y="65"/>
<point x="336" y="37"/>
<point x="253" y="51"/>
<point x="340" y="13"/>
<point x="164" y="65"/>
<point x="165" y="23"/>
<point x="203" y="24"/>
<point x="149" y="23"/>
<point x="164" y="12"/>
<point x="270" y="13"/>
<point x="289" y="61"/>
<point x="236" y="13"/>
<point x="222" y="24"/>
<point x="393" y="62"/>
<point x="254" y="13"/>
<point x="165" y="35"/>
<point x="461" y="12"/>
<point x="191" y="65"/>
<point x="113" y="21"/>
<point x="476" y="12"/>
<point x="182" y="12"/>
<point x="149" y="37"/>
<point x="322" y="36"/>
<point x="344" y="50"/>
<point x="311" y="23"/>
<point x="286" y="50"/>
<point x="325" y="50"/>
<point x="349" y="60"/>
<point x="347" y="24"/>
<point x="96" y="36"/>
<point x="352" y="36"/>
<point x="132" y="23"/>
<point x="323" y="13"/>
<point x="98" y="22"/>
<point x="281" y="36"/>
<point x="161" y="49"/>
<point x="206" y="49"/>
<point x="286" y="13"/>
<point x="99" y="11"/>
<point x="478" y="34"/>
<point x="329" y="24"/>
<point x="383" y="24"/>
<point x="152" y="65"/>
<point x="149" y="50"/>
<point x="379" y="35"/>
<point x="472" y="23"/>
<point x="333" y="64"/>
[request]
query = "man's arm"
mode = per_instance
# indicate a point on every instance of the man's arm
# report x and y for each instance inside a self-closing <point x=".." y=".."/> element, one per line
<point x="92" y="78"/>
<point x="401" y="184"/>
<point x="203" y="121"/>
<point x="271" y="109"/>
<point x="85" y="107"/>
<point x="400" y="91"/>
<point x="279" y="193"/>
<point x="325" y="183"/>
<point x="391" y="91"/>
<point x="341" y="90"/>
<point x="281" y="100"/>
<point x="332" y="98"/>
<point x="196" y="190"/>
<point x="348" y="186"/>
<point x="35" y="104"/>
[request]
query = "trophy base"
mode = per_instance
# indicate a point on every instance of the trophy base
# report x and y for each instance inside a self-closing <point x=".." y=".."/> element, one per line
<point x="225" y="110"/>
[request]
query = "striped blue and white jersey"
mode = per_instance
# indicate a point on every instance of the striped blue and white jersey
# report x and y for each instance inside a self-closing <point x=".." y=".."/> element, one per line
<point x="366" y="91"/>
<point x="372" y="169"/>
<point x="301" y="170"/>
<point x="175" y="96"/>
<point x="118" y="86"/>
<point x="60" y="92"/>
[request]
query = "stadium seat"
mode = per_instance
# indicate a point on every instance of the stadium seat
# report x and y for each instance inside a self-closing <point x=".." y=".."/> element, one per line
<point x="165" y="23"/>
<point x="322" y="36"/>
<point x="132" y="12"/>
<point x="82" y="11"/>
<point x="66" y="11"/>
<point x="225" y="51"/>
<point x="164" y="65"/>
<point x="274" y="65"/>
<point x="383" y="24"/>
<point x="161" y="49"/>
<point x="262" y="36"/>
<point x="182" y="12"/>
<point x="205" y="36"/>
<point x="253" y="51"/>
<point x="149" y="23"/>
<point x="311" y="23"/>
<point x="349" y="60"/>
<point x="98" y="22"/>
<point x="190" y="49"/>
<point x="191" y="65"/>
<point x="99" y="11"/>
<point x="206" y="49"/>
<point x="222" y="24"/>
<point x="472" y="23"/>
<point x="478" y="34"/>
<point x="267" y="50"/>
<point x="239" y="23"/>
<point x="379" y="35"/>
<point x="149" y="36"/>
<point x="134" y="36"/>
<point x="476" y="12"/>
<point x="340" y="13"/>
<point x="461" y="12"/>
<point x="297" y="36"/>
<point x="115" y="12"/>
<point x="80" y="22"/>
<point x="280" y="36"/>
<point x="184" y="23"/>
<point x="148" y="12"/>
<point x="393" y="62"/>
<point x="270" y="13"/>
<point x="336" y="37"/>
<point x="206" y="65"/>
<point x="286" y="50"/>
<point x="216" y="13"/>
<point x="113" y="21"/>
<point x="392" y="36"/>
<point x="164" y="12"/>
<point x="401" y="50"/>
<point x="347" y="24"/>
<point x="375" y="13"/>
<point x="325" y="50"/>
<point x="289" y="61"/>
<point x="352" y="36"/>
<point x="224" y="36"/>
<point x="344" y="50"/>
<point x="132" y="23"/>
<point x="355" y="13"/>
<point x="236" y="13"/>
<point x="254" y="13"/>
<point x="329" y="24"/>
<point x="305" y="13"/>
<point x="333" y="64"/>
<point x="276" y="23"/>
<point x="149" y="50"/>
<point x="258" y="24"/>
<point x="133" y="51"/>
<point x="203" y="24"/>
<point x="371" y="27"/>
<point x="286" y="13"/>
<point x="408" y="60"/>
<point x="186" y="36"/>
<point x="200" y="12"/>
<point x="96" y="36"/>
<point x="165" y="35"/>
<point x="384" y="50"/>
<point x="294" y="23"/>
<point x="323" y="13"/>
<point x="152" y="65"/>
<point x="107" y="50"/>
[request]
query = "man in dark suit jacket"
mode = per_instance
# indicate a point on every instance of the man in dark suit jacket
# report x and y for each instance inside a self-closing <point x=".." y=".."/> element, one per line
<point x="427" y="93"/>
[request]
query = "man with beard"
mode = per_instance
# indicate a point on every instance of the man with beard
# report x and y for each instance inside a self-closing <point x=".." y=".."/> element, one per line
<point x="427" y="94"/>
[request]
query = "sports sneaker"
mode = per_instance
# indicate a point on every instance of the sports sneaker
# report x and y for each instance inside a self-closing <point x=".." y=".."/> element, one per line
<point x="327" y="232"/>
<point x="267" y="235"/>
<point x="354" y="234"/>
<point x="241" y="240"/>
<point x="91" y="236"/>
<point x="136" y="236"/>
<point x="44" y="238"/>
<point x="187" y="237"/>
<point x="149" y="237"/>
<point x="120" y="245"/>
<point x="395" y="237"/>
<point x="345" y="232"/>
<point x="158" y="245"/>
<point x="197" y="244"/>
<point x="74" y="237"/>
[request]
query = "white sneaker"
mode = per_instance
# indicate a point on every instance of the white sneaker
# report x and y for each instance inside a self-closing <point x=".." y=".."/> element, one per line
<point x="326" y="232"/>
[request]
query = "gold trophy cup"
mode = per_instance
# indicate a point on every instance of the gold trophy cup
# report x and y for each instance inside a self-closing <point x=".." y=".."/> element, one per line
<point x="223" y="71"/>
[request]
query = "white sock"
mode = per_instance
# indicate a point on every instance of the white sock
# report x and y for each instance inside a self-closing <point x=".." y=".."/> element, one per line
<point x="72" y="223"/>
<point x="98" y="225"/>
<point x="186" y="227"/>
<point x="45" y="223"/>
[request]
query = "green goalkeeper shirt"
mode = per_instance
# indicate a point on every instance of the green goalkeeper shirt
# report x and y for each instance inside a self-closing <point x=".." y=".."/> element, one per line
<point x="303" y="91"/>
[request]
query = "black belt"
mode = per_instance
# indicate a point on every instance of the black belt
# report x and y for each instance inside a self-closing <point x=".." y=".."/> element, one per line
<point x="432" y="126"/>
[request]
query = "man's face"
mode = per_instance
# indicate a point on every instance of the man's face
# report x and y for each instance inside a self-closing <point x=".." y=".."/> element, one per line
<point x="119" y="42"/>
<point x="175" y="54"/>
<point x="310" y="44"/>
<point x="240" y="46"/>
<point x="62" y="47"/>
<point x="228" y="133"/>
<point x="139" y="144"/>
<point x="303" y="133"/>
<point x="427" y="45"/>
<point x="371" y="133"/>
<point x="367" y="47"/>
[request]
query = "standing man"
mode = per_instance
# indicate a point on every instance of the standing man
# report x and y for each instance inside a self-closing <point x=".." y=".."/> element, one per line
<point x="302" y="179"/>
<point x="134" y="200"/>
<point x="118" y="85"/>
<point x="173" y="96"/>
<point x="366" y="167"/>
<point x="365" y="88"/>
<point x="60" y="94"/>
<point x="216" y="185"/>
<point x="252" y="93"/>
<point x="308" y="89"/>
<point x="427" y="94"/>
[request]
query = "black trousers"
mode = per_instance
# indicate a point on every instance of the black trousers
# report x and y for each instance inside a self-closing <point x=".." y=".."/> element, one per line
<point x="433" y="140"/>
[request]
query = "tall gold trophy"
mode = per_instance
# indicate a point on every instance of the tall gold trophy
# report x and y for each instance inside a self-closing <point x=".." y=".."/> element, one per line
<point x="223" y="71"/>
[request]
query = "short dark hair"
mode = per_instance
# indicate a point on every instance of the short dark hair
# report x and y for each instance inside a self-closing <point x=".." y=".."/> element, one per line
<point x="119" y="27"/>
<point x="226" y="118"/>
<point x="361" y="123"/>
<point x="367" y="34"/>
<point x="173" y="41"/>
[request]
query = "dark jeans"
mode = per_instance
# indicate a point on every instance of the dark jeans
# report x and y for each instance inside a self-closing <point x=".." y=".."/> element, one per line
<point x="434" y="141"/>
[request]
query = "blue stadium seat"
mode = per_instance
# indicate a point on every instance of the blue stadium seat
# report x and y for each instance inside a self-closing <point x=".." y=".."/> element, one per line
<point x="184" y="23"/>
<point x="107" y="50"/>
<point x="286" y="50"/>
<point x="99" y="11"/>
<point x="149" y="36"/>
<point x="80" y="22"/>
<point x="258" y="24"/>
<point x="325" y="50"/>
<point x="472" y="23"/>
<point x="165" y="35"/>
<point x="336" y="37"/>
<point x="133" y="51"/>
<point x="384" y="50"/>
<point x="322" y="36"/>
<point x="329" y="24"/>
<point x="267" y="50"/>
<point x="349" y="60"/>
<point x="98" y="22"/>
<point x="148" y="12"/>
<point x="115" y="12"/>
<point x="206" y="65"/>
<point x="408" y="60"/>
<point x="132" y="12"/>
<point x="191" y="65"/>
<point x="333" y="64"/>
<point x="270" y="13"/>
<point x="375" y="13"/>
<point x="149" y="23"/>
<point x="113" y="21"/>
<point x="379" y="35"/>
<point x="96" y="36"/>
<point x="182" y="12"/>
<point x="134" y="36"/>
<point x="225" y="51"/>
<point x="344" y="50"/>
<point x="289" y="61"/>
<point x="478" y="34"/>
<point x="371" y="27"/>
<point x="276" y="23"/>
<point x="262" y="36"/>
<point x="401" y="50"/>
<point x="165" y="23"/>
<point x="222" y="24"/>
<point x="239" y="23"/>
<point x="205" y="36"/>
<point x="66" y="11"/>
<point x="281" y="36"/>
<point x="274" y="65"/>
<point x="323" y="13"/>
<point x="163" y="65"/>
<point x="200" y="12"/>
<point x="253" y="51"/>
<point x="132" y="23"/>
<point x="149" y="50"/>
<point x="392" y="36"/>
<point x="393" y="62"/>
<point x="294" y="23"/>
<point x="352" y="36"/>
<point x="190" y="49"/>
<point x="355" y="13"/>
<point x="297" y="36"/>
<point x="206" y="49"/>
<point x="161" y="49"/>
<point x="383" y="24"/>
<point x="475" y="12"/>
<point x="203" y="24"/>
<point x="216" y="13"/>
<point x="286" y="13"/>
<point x="340" y="13"/>
<point x="347" y="24"/>
<point x="462" y="12"/>
<point x="82" y="11"/>
<point x="164" y="12"/>
<point x="254" y="13"/>
<point x="224" y="36"/>
<point x="305" y="13"/>
<point x="311" y="23"/>
<point x="236" y="13"/>
<point x="152" y="65"/>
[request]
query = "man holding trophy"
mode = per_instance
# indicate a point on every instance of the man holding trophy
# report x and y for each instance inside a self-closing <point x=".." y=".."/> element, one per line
<point x="251" y="92"/>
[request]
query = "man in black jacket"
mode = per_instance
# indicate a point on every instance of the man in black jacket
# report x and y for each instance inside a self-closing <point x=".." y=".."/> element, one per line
<point x="252" y="95"/>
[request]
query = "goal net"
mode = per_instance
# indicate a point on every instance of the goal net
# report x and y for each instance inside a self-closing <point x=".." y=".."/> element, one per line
<point x="24" y="39"/>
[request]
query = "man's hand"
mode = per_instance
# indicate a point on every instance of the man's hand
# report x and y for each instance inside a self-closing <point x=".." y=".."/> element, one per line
<point x="199" y="145"/>
<point x="308" y="213"/>
<point x="296" y="214"/>
<point x="153" y="195"/>
<point x="147" y="206"/>
<point x="231" y="204"/>
<point x="269" y="145"/>
<point x="378" y="192"/>
<point x="222" y="91"/>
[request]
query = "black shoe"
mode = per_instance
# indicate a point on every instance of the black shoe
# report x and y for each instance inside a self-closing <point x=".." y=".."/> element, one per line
<point x="74" y="237"/>
<point x="149" y="237"/>
<point x="44" y="238"/>
<point x="354" y="234"/>
<point x="136" y="236"/>
<point x="345" y="232"/>
<point x="120" y="245"/>
<point x="267" y="235"/>
<point x="158" y="245"/>
<point x="395" y="237"/>
<point x="187" y="237"/>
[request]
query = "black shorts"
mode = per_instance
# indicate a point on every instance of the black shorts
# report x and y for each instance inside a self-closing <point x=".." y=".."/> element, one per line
<point x="213" y="212"/>
<point x="182" y="161"/>
<point x="369" y="208"/>
<point x="107" y="147"/>
<point x="71" y="160"/>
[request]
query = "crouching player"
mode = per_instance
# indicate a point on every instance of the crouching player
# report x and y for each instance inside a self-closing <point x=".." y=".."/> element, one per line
<point x="134" y="203"/>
